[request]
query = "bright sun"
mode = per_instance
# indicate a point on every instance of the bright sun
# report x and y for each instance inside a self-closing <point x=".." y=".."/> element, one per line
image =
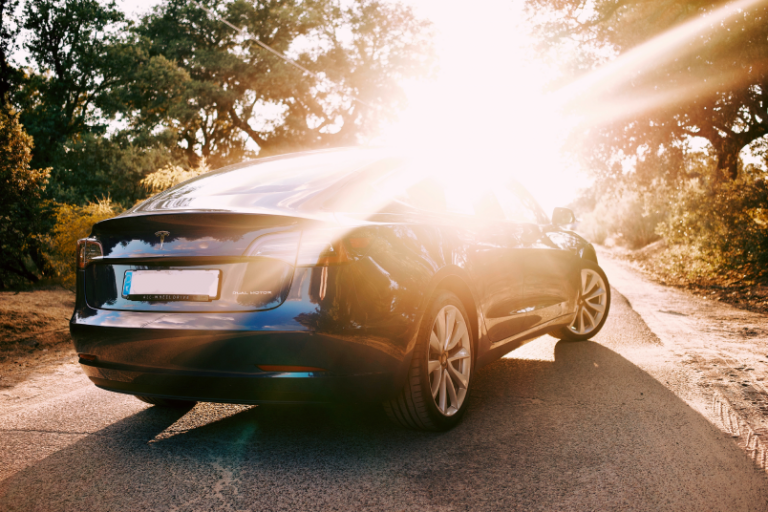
<point x="488" y="102"/>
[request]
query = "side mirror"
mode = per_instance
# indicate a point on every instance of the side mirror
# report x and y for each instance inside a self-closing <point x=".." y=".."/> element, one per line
<point x="563" y="216"/>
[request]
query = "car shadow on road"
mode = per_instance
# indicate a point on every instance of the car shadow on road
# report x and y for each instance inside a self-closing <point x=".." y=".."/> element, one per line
<point x="589" y="430"/>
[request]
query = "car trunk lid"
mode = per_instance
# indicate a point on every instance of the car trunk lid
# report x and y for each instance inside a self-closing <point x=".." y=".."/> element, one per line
<point x="181" y="244"/>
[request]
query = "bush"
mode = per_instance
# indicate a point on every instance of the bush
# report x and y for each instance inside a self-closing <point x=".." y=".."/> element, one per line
<point x="719" y="230"/>
<point x="711" y="230"/>
<point x="23" y="211"/>
<point x="171" y="175"/>
<point x="626" y="215"/>
<point x="72" y="223"/>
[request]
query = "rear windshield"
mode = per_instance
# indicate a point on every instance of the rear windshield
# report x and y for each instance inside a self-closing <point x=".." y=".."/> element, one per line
<point x="295" y="183"/>
<point x="358" y="180"/>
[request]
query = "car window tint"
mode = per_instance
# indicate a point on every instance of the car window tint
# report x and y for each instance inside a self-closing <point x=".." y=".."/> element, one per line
<point x="299" y="183"/>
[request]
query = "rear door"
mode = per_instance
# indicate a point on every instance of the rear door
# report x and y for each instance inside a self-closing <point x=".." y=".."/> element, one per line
<point x="498" y="265"/>
<point x="547" y="286"/>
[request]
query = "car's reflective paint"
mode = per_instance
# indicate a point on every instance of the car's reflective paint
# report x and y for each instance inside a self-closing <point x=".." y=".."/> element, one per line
<point x="357" y="321"/>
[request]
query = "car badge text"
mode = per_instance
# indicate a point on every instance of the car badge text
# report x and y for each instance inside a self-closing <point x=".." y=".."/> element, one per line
<point x="162" y="235"/>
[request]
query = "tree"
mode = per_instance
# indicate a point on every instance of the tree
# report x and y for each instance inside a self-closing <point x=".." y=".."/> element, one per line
<point x="109" y="102"/>
<point x="8" y="31"/>
<point x="71" y="44"/>
<point x="232" y="90"/>
<point x="80" y="55"/>
<point x="23" y="210"/>
<point x="680" y="69"/>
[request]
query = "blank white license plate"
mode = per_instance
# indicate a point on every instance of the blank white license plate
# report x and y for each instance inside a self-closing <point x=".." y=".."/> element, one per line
<point x="171" y="285"/>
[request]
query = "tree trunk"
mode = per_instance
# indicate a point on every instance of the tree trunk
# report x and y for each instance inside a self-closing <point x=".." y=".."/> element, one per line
<point x="727" y="164"/>
<point x="5" y="68"/>
<point x="728" y="148"/>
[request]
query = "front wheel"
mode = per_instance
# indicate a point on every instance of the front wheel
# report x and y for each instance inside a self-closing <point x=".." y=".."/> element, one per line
<point x="436" y="393"/>
<point x="592" y="305"/>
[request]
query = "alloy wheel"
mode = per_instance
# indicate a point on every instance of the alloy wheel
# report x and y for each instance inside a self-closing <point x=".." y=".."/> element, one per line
<point x="449" y="360"/>
<point x="592" y="301"/>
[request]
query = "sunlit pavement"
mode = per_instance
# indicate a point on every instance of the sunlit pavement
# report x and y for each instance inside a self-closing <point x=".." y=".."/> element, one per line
<point x="614" y="424"/>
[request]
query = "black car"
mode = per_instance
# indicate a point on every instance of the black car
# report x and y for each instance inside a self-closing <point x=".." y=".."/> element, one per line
<point x="343" y="275"/>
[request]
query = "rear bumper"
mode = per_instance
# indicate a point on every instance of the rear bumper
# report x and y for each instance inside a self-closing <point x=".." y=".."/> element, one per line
<point x="264" y="387"/>
<point x="216" y="356"/>
<point x="223" y="365"/>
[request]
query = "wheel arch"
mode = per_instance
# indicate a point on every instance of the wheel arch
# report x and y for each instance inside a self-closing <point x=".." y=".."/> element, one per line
<point x="588" y="253"/>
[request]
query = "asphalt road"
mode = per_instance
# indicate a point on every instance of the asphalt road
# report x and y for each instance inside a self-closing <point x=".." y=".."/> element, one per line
<point x="612" y="424"/>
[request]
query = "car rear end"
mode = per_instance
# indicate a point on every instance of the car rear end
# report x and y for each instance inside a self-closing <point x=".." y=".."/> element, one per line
<point x="241" y="306"/>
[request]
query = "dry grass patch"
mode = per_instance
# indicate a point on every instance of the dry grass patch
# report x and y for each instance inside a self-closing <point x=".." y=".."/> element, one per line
<point x="34" y="332"/>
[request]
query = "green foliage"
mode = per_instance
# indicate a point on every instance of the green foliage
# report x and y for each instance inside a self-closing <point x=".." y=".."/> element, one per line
<point x="171" y="175"/>
<point x="109" y="101"/>
<point x="707" y="80"/>
<point x="94" y="166"/>
<point x="74" y="46"/>
<point x="73" y="223"/>
<point x="227" y="89"/>
<point x="8" y="32"/>
<point x="718" y="230"/>
<point x="709" y="230"/>
<point x="23" y="210"/>
<point x="66" y="101"/>
<point x="628" y="215"/>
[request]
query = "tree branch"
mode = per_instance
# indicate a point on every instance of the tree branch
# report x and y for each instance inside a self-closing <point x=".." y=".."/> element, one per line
<point x="244" y="126"/>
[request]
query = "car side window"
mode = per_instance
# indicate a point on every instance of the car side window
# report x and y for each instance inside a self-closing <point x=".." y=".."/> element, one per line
<point x="431" y="195"/>
<point x="519" y="205"/>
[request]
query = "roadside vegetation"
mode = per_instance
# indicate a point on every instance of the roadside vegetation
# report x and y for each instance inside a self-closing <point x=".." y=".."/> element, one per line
<point x="711" y="239"/>
<point x="673" y="127"/>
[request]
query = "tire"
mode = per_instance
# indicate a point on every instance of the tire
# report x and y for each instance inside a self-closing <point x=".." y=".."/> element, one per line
<point x="597" y="295"/>
<point x="167" y="402"/>
<point x="417" y="406"/>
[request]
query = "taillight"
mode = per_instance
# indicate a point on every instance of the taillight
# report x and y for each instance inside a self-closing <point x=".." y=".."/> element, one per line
<point x="323" y="248"/>
<point x="316" y="248"/>
<point x="281" y="246"/>
<point x="87" y="250"/>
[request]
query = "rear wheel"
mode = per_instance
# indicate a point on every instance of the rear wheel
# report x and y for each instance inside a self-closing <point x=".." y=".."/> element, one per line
<point x="167" y="402"/>
<point x="436" y="393"/>
<point x="592" y="305"/>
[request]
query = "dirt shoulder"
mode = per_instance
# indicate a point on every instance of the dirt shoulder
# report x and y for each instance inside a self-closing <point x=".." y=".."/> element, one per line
<point x="742" y="291"/>
<point x="34" y="333"/>
<point x="725" y="348"/>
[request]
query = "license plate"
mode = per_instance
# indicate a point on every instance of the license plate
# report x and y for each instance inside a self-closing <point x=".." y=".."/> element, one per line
<point x="171" y="285"/>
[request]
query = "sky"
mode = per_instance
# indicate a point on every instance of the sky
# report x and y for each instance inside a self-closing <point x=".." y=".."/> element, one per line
<point x="486" y="100"/>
